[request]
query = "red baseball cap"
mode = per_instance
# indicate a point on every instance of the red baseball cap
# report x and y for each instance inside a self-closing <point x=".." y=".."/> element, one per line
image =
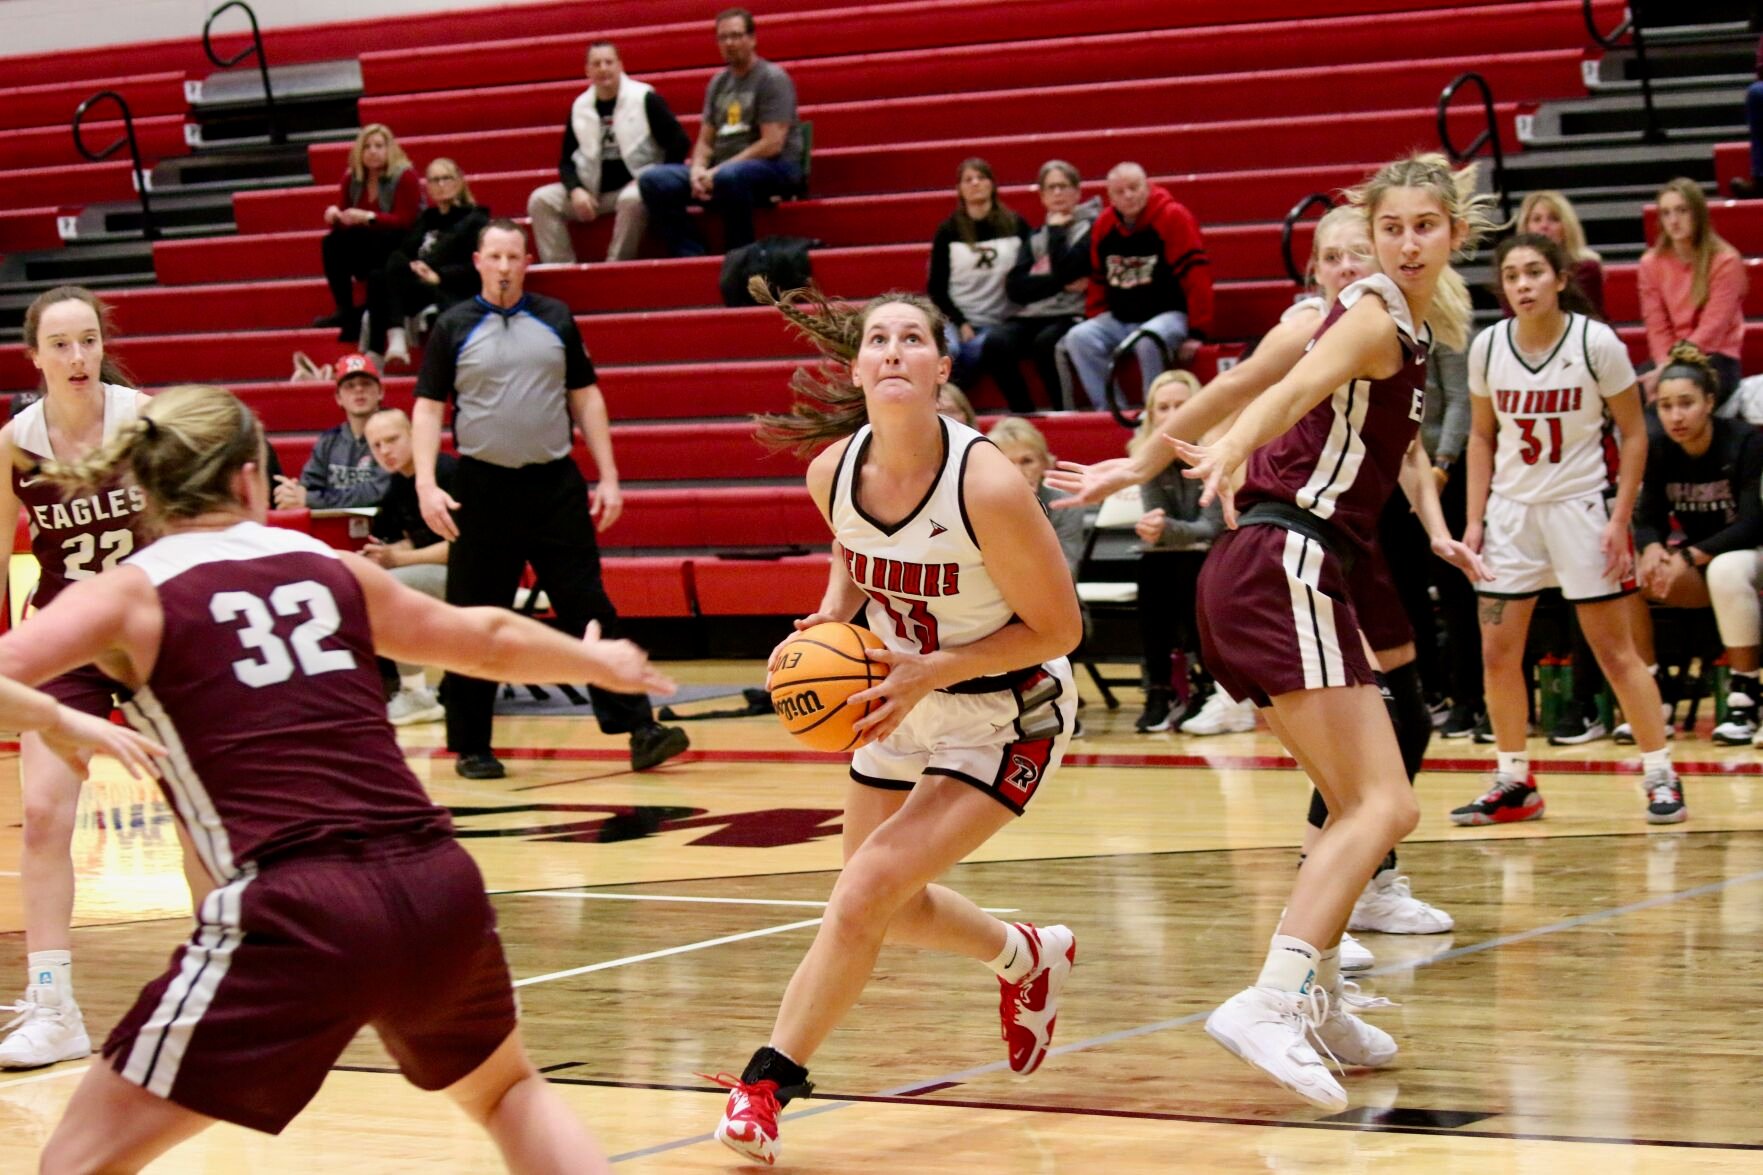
<point x="350" y="365"/>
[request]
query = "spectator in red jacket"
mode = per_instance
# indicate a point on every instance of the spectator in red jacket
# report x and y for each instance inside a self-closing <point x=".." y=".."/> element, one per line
<point x="377" y="204"/>
<point x="1692" y="286"/>
<point x="1148" y="271"/>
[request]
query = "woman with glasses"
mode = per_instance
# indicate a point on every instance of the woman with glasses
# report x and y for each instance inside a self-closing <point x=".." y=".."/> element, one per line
<point x="1048" y="284"/>
<point x="431" y="268"/>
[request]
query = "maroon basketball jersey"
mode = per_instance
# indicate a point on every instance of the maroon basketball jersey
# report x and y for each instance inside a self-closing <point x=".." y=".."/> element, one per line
<point x="1341" y="461"/>
<point x="76" y="538"/>
<point x="267" y="694"/>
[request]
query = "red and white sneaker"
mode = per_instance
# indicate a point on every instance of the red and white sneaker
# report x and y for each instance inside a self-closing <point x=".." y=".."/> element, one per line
<point x="1028" y="1009"/>
<point x="749" y="1121"/>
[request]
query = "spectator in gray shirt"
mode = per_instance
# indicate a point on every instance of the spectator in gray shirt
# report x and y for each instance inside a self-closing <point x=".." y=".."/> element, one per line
<point x="749" y="147"/>
<point x="341" y="471"/>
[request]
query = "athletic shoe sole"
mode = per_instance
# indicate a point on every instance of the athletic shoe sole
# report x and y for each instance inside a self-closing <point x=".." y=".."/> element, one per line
<point x="1729" y="740"/>
<point x="1677" y="817"/>
<point x="1591" y="735"/>
<point x="1503" y="816"/>
<point x="757" y="1154"/>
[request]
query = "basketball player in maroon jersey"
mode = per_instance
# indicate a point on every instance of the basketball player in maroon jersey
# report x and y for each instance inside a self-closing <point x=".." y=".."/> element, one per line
<point x="1324" y="448"/>
<point x="85" y="400"/>
<point x="249" y="652"/>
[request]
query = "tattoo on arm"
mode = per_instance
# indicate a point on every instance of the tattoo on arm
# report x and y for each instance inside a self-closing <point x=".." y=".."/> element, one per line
<point x="1492" y="611"/>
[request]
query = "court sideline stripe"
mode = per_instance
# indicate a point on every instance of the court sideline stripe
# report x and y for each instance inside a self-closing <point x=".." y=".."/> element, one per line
<point x="666" y="951"/>
<point x="648" y="897"/>
<point x="1578" y="920"/>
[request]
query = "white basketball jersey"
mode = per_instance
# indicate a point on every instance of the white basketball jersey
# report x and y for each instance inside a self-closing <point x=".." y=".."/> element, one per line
<point x="30" y="429"/>
<point x="927" y="583"/>
<point x="1304" y="306"/>
<point x="1550" y="440"/>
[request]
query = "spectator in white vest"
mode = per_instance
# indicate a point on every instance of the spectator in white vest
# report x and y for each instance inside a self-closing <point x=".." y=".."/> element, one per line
<point x="617" y="129"/>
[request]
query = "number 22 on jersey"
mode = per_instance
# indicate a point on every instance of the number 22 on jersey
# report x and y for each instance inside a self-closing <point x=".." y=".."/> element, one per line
<point x="273" y="663"/>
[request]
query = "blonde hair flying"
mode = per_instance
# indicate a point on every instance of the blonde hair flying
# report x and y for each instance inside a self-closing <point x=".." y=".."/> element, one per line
<point x="1456" y="193"/>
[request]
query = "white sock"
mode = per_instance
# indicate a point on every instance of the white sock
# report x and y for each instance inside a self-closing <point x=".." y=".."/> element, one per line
<point x="413" y="681"/>
<point x="1659" y="760"/>
<point x="396" y="340"/>
<point x="1328" y="970"/>
<point x="51" y="969"/>
<point x="1014" y="961"/>
<point x="1291" y="965"/>
<point x="1513" y="763"/>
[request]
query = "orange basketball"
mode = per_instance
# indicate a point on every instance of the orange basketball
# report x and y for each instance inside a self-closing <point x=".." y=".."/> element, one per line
<point x="822" y="667"/>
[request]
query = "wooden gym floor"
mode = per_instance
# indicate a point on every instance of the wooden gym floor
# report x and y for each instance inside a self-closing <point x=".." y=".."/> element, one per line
<point x="1595" y="1008"/>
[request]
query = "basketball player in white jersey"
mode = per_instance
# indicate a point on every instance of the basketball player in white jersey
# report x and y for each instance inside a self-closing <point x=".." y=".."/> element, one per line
<point x="84" y="404"/>
<point x="937" y="535"/>
<point x="1542" y="382"/>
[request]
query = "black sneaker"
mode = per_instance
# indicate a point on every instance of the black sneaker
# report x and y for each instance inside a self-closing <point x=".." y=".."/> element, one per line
<point x="479" y="765"/>
<point x="1664" y="798"/>
<point x="655" y="744"/>
<point x="1460" y="722"/>
<point x="1576" y="726"/>
<point x="1157" y="715"/>
<point x="1484" y="732"/>
<point x="1510" y="800"/>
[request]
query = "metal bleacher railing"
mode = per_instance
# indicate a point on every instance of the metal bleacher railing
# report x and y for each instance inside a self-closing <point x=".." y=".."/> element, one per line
<point x="1490" y="134"/>
<point x="1299" y="211"/>
<point x="1630" y="27"/>
<point x="277" y="134"/>
<point x="149" y="230"/>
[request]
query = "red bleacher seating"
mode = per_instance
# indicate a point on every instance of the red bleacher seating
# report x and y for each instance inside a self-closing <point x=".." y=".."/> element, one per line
<point x="90" y="183"/>
<point x="52" y="105"/>
<point x="28" y="228"/>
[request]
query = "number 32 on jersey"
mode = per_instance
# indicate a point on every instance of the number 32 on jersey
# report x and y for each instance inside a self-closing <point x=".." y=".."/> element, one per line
<point x="273" y="663"/>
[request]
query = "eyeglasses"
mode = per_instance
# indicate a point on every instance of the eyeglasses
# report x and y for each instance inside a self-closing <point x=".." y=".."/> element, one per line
<point x="443" y="179"/>
<point x="1058" y="186"/>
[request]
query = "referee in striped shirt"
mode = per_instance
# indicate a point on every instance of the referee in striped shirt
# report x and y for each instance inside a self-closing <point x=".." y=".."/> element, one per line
<point x="514" y="367"/>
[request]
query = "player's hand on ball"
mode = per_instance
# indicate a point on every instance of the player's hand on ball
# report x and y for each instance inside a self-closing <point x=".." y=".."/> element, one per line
<point x="627" y="668"/>
<point x="911" y="677"/>
<point x="1213" y="467"/>
<point x="75" y="735"/>
<point x="802" y="625"/>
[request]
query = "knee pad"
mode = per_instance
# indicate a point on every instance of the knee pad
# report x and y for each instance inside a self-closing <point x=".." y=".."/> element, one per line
<point x="1318" y="809"/>
<point x="1413" y="722"/>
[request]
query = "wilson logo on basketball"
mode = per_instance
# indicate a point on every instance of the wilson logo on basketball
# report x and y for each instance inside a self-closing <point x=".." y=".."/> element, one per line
<point x="793" y="706"/>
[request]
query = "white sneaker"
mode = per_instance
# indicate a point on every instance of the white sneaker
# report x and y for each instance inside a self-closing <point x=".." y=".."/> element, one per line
<point x="1350" y="1039"/>
<point x="411" y="706"/>
<point x="1221" y="714"/>
<point x="1388" y="906"/>
<point x="44" y="1030"/>
<point x="1271" y="1030"/>
<point x="397" y="348"/>
<point x="1354" y="955"/>
<point x="1739" y="729"/>
<point x="1624" y="733"/>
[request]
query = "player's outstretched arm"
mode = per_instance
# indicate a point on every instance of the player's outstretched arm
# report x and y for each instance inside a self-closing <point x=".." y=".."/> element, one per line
<point x="494" y="643"/>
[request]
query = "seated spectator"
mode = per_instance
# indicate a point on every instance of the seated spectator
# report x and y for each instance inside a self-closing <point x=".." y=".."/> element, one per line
<point x="970" y="258"/>
<point x="341" y="471"/>
<point x="1024" y="444"/>
<point x="1048" y="284"/>
<point x="1176" y="532"/>
<point x="378" y="200"/>
<point x="404" y="545"/>
<point x="1551" y="214"/>
<point x="431" y="268"/>
<point x="748" y="151"/>
<point x="1750" y="188"/>
<point x="1148" y="270"/>
<point x="1692" y="286"/>
<point x="1702" y="480"/>
<point x="953" y="403"/>
<point x="617" y="130"/>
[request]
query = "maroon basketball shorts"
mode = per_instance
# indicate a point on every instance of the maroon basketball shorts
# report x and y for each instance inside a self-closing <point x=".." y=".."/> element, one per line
<point x="288" y="963"/>
<point x="85" y="689"/>
<point x="1376" y="603"/>
<point x="1275" y="616"/>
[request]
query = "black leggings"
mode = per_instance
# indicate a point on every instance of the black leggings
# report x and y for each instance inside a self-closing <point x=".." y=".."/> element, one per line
<point x="355" y="251"/>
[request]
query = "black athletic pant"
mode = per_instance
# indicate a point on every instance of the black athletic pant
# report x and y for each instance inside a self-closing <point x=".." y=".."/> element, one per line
<point x="1457" y="602"/>
<point x="355" y="251"/>
<point x="508" y="518"/>
<point x="1016" y="341"/>
<point x="1168" y="585"/>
